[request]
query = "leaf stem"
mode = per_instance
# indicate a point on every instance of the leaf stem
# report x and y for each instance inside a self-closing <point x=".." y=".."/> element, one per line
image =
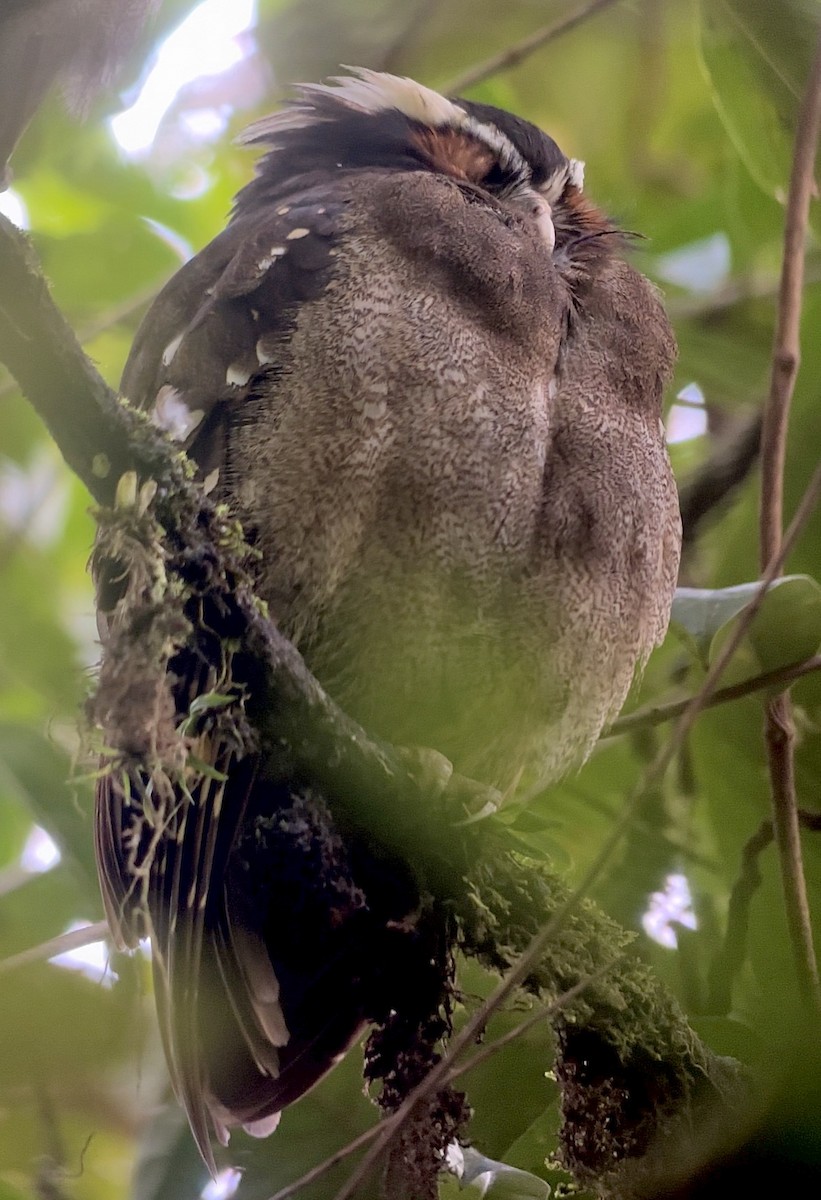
<point x="513" y="55"/>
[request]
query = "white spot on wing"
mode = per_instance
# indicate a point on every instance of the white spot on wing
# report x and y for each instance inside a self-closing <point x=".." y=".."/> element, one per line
<point x="171" y="349"/>
<point x="262" y="1128"/>
<point x="211" y="480"/>
<point x="274" y="253"/>
<point x="295" y="234"/>
<point x="172" y="414"/>
<point x="264" y="355"/>
<point x="237" y="375"/>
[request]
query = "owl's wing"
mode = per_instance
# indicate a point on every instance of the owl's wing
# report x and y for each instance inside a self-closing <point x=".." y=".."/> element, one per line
<point x="211" y="337"/>
<point x="215" y="331"/>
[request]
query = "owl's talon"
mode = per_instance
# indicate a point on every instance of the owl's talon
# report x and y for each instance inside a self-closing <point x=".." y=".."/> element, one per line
<point x="434" y="774"/>
<point x="429" y="769"/>
<point x="477" y="800"/>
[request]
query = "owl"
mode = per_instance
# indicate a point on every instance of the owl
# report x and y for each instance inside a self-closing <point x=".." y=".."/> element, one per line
<point x="418" y="367"/>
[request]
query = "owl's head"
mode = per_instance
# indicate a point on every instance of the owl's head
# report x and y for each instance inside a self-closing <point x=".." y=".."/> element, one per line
<point x="371" y="119"/>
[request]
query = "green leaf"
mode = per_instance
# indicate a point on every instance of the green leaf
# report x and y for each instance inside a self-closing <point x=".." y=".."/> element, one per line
<point x="786" y="629"/>
<point x="496" y="1180"/>
<point x="731" y="1037"/>
<point x="756" y="55"/>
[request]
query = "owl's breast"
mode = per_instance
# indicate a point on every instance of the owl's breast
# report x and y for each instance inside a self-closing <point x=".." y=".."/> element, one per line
<point x="450" y="528"/>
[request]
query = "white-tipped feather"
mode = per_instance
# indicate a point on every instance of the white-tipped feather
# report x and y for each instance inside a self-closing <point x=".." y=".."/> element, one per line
<point x="376" y="91"/>
<point x="300" y="116"/>
<point x="363" y="91"/>
<point x="262" y="1128"/>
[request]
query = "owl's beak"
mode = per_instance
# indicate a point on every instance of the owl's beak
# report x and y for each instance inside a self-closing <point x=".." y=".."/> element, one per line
<point x="542" y="214"/>
<point x="535" y="206"/>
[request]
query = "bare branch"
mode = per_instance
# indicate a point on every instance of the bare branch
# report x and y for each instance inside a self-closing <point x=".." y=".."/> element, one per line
<point x="657" y="714"/>
<point x="57" y="945"/>
<point x="98" y="436"/>
<point x="730" y="958"/>
<point x="779" y="727"/>
<point x="513" y="55"/>
<point x="709" y="485"/>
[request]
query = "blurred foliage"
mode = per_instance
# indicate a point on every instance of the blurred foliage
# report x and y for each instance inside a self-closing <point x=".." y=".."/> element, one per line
<point x="684" y="113"/>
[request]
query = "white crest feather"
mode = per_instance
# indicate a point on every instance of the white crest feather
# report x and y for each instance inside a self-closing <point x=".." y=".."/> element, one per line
<point x="376" y="91"/>
<point x="363" y="91"/>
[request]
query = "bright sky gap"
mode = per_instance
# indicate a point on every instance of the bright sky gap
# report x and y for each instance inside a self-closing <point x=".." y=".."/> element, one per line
<point x="205" y="43"/>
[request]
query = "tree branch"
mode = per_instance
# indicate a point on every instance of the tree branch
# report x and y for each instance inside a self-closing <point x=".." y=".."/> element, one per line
<point x="729" y="960"/>
<point x="726" y="468"/>
<point x="779" y="727"/>
<point x="513" y="55"/>
<point x="657" y="714"/>
<point x="99" y="437"/>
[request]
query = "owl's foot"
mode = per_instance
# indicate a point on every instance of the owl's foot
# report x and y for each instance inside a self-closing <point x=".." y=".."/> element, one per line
<point x="434" y="774"/>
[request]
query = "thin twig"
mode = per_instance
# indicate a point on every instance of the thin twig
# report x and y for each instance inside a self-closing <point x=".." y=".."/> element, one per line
<point x="73" y="940"/>
<point x="657" y="714"/>
<point x="513" y="55"/>
<point x="328" y="1164"/>
<point x="535" y="1018"/>
<point x="731" y="956"/>
<point x="541" y="1014"/>
<point x="779" y="728"/>
<point x="467" y="1035"/>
